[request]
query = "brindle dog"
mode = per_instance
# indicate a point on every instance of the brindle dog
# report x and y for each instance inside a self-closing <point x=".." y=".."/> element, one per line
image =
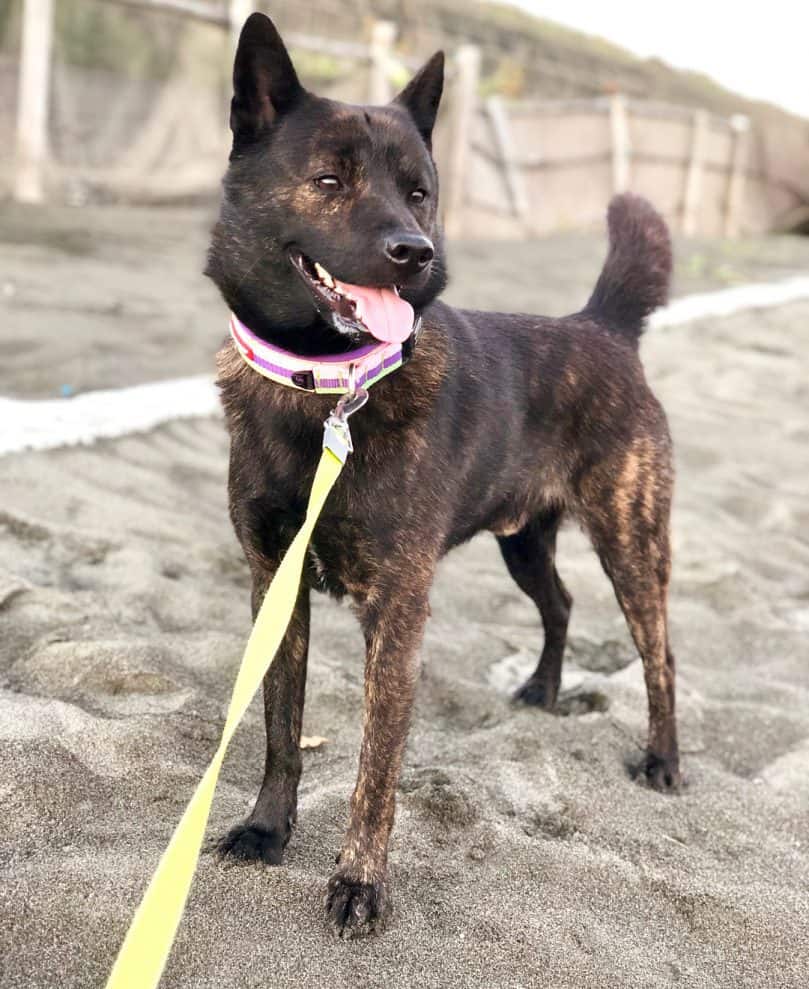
<point x="500" y="422"/>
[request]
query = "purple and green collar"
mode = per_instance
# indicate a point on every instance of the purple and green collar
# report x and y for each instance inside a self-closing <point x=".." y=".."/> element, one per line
<point x="323" y="375"/>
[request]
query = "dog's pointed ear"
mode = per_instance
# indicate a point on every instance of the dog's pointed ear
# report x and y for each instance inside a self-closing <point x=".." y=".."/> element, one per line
<point x="265" y="84"/>
<point x="422" y="94"/>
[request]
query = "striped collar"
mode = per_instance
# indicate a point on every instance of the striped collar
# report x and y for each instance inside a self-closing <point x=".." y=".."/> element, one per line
<point x="324" y="375"/>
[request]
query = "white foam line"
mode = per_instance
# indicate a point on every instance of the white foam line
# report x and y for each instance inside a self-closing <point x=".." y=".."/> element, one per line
<point x="45" y="425"/>
<point x="727" y="301"/>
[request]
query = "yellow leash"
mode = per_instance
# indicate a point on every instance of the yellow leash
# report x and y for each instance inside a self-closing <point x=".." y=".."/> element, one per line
<point x="148" y="941"/>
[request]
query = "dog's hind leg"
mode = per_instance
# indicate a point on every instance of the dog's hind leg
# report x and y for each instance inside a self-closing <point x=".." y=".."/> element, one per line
<point x="626" y="510"/>
<point x="265" y="833"/>
<point x="529" y="555"/>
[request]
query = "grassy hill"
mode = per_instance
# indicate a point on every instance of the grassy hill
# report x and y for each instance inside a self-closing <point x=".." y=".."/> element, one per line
<point x="537" y="57"/>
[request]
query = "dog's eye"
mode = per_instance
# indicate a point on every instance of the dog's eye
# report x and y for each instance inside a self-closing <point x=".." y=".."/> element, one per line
<point x="328" y="182"/>
<point x="418" y="195"/>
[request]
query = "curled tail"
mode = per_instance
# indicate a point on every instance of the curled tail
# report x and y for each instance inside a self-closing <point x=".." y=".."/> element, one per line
<point x="635" y="278"/>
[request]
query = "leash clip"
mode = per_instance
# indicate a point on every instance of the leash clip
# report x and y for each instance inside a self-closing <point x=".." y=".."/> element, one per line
<point x="336" y="432"/>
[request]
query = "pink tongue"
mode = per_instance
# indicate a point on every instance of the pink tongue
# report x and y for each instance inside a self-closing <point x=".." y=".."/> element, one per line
<point x="385" y="315"/>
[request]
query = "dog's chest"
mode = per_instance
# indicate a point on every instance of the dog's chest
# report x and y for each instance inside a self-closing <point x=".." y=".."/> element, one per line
<point x="343" y="558"/>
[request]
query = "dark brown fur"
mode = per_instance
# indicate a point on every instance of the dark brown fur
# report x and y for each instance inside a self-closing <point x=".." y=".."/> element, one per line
<point x="506" y="423"/>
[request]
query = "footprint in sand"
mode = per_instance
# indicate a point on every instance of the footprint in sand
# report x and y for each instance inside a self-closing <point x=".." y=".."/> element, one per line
<point x="579" y="693"/>
<point x="100" y="673"/>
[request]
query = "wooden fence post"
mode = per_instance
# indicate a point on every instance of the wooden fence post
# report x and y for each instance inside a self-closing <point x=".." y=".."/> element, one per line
<point x="33" y="101"/>
<point x="693" y="176"/>
<point x="619" y="133"/>
<point x="383" y="35"/>
<point x="462" y="113"/>
<point x="741" y="127"/>
<point x="506" y="151"/>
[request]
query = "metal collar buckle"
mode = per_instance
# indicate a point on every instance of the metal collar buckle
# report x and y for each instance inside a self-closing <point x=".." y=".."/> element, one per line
<point x="336" y="433"/>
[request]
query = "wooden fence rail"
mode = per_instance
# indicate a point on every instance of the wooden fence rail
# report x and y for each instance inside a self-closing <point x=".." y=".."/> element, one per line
<point x="533" y="167"/>
<point x="509" y="169"/>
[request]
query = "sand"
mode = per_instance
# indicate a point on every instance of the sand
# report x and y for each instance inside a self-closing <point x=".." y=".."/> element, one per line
<point x="523" y="854"/>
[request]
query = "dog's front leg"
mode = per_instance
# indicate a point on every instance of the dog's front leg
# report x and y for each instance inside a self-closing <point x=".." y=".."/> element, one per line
<point x="356" y="902"/>
<point x="265" y="833"/>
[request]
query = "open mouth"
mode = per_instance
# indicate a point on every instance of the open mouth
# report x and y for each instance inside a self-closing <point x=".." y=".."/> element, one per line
<point x="355" y="309"/>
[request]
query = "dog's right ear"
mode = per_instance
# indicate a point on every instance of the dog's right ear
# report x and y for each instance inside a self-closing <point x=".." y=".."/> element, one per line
<point x="265" y="84"/>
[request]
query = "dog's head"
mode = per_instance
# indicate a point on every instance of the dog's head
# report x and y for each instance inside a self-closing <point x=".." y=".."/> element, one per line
<point x="329" y="227"/>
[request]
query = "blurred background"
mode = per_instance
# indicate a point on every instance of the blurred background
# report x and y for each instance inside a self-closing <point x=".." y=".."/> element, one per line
<point x="522" y="845"/>
<point x="126" y="101"/>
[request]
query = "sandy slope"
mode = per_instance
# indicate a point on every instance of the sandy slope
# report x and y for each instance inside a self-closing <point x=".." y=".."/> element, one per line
<point x="523" y="855"/>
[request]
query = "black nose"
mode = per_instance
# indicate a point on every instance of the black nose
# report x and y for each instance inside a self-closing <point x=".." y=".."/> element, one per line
<point x="411" y="253"/>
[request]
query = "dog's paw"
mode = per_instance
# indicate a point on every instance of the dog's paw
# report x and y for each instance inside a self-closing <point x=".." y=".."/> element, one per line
<point x="251" y="843"/>
<point x="537" y="693"/>
<point x="659" y="773"/>
<point x="354" y="909"/>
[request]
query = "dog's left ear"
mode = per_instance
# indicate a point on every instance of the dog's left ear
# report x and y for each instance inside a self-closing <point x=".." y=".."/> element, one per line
<point x="422" y="94"/>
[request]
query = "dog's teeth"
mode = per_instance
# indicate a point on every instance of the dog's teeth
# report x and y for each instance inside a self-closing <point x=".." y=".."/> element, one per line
<point x="323" y="275"/>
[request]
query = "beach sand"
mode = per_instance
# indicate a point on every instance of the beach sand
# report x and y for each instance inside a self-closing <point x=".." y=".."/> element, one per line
<point x="523" y="854"/>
